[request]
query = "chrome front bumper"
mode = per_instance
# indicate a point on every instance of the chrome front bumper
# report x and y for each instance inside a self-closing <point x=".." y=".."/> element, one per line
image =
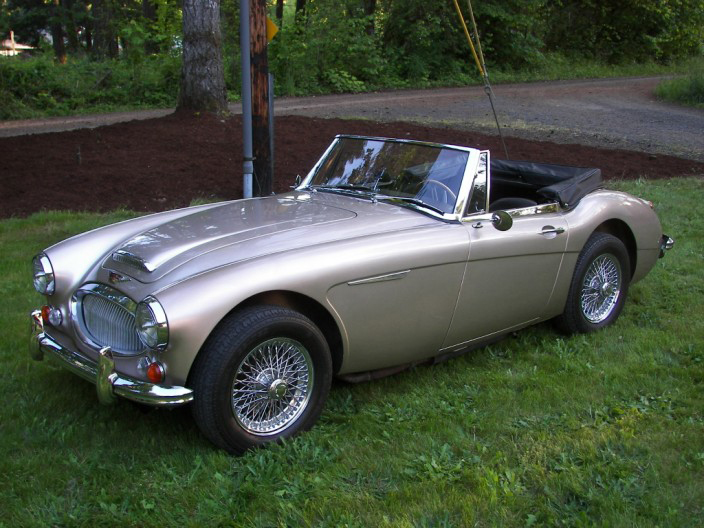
<point x="109" y="383"/>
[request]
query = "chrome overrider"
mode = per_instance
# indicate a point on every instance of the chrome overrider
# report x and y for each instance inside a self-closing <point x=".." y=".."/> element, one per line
<point x="666" y="244"/>
<point x="109" y="383"/>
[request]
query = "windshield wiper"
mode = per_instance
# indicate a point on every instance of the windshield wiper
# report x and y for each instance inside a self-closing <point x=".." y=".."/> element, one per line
<point x="346" y="187"/>
<point x="403" y="200"/>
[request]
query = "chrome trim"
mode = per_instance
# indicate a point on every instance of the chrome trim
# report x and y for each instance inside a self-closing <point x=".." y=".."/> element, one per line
<point x="535" y="210"/>
<point x="106" y="377"/>
<point x="463" y="192"/>
<point x="409" y="141"/>
<point x="109" y="383"/>
<point x="550" y="230"/>
<point x="380" y="278"/>
<point x="272" y="386"/>
<point x="111" y="295"/>
<point x="601" y="288"/>
<point x="47" y="270"/>
<point x="666" y="244"/>
<point x="159" y="317"/>
<point x="125" y="257"/>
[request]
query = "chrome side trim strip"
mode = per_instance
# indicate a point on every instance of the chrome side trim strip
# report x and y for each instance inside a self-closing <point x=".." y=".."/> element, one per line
<point x="108" y="382"/>
<point x="380" y="278"/>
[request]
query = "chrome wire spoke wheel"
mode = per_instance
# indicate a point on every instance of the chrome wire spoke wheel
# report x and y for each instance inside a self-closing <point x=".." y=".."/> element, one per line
<point x="601" y="288"/>
<point x="272" y="386"/>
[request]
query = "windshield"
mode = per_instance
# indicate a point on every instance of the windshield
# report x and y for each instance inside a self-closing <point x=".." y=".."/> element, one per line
<point x="422" y="175"/>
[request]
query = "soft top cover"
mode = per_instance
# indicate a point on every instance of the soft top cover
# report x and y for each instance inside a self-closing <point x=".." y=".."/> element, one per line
<point x="565" y="184"/>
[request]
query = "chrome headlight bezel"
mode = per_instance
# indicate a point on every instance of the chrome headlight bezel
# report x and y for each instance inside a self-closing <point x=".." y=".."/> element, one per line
<point x="152" y="325"/>
<point x="43" y="274"/>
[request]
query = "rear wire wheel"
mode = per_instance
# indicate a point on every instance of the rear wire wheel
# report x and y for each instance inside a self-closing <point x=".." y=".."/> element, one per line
<point x="263" y="375"/>
<point x="599" y="285"/>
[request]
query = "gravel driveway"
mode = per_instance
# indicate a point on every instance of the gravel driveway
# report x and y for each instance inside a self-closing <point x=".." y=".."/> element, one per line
<point x="613" y="113"/>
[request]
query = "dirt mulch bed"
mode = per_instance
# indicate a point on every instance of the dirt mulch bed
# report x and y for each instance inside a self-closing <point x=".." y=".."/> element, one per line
<point x="164" y="163"/>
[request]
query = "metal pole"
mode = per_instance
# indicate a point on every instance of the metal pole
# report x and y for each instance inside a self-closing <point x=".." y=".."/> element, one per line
<point x="247" y="166"/>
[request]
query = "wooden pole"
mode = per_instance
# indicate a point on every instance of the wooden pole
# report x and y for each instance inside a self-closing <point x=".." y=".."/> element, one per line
<point x="260" y="99"/>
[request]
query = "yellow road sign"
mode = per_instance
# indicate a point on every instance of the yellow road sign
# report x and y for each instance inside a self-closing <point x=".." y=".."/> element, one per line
<point x="271" y="29"/>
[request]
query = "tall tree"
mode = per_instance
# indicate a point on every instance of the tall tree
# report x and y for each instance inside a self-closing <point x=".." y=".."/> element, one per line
<point x="104" y="36"/>
<point x="280" y="12"/>
<point x="150" y="16"/>
<point x="202" y="76"/>
<point x="369" y="7"/>
<point x="300" y="8"/>
<point x="57" y="32"/>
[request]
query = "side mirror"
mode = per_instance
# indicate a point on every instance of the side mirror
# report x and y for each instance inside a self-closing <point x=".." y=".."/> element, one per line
<point x="296" y="182"/>
<point x="501" y="220"/>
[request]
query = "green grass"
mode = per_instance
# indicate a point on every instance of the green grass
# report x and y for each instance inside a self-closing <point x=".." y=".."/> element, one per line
<point x="540" y="429"/>
<point x="687" y="90"/>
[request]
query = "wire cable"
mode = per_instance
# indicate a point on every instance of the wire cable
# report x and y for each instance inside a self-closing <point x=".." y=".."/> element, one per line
<point x="481" y="65"/>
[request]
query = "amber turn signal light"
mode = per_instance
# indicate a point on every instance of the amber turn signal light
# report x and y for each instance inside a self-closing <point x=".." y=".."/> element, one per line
<point x="155" y="372"/>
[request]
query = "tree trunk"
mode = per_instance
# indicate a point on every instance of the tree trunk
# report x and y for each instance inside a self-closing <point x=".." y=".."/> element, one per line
<point x="300" y="9"/>
<point x="57" y="33"/>
<point x="104" y="38"/>
<point x="260" y="98"/>
<point x="202" y="77"/>
<point x="71" y="30"/>
<point x="369" y="9"/>
<point x="280" y="12"/>
<point x="149" y="13"/>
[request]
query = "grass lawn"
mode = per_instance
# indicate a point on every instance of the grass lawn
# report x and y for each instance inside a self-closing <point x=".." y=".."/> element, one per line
<point x="539" y="429"/>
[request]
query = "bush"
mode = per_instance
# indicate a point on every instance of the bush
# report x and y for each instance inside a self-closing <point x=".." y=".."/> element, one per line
<point x="619" y="31"/>
<point x="685" y="90"/>
<point x="39" y="86"/>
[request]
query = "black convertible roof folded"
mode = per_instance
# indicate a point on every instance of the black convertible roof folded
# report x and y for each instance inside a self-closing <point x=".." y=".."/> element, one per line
<point x="556" y="182"/>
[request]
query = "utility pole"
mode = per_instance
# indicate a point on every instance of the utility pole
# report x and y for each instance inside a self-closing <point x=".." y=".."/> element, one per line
<point x="247" y="166"/>
<point x="261" y="146"/>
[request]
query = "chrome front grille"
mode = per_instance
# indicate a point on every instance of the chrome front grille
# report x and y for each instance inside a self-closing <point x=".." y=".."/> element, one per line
<point x="106" y="318"/>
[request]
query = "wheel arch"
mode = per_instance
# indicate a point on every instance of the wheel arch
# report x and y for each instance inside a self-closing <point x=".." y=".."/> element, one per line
<point x="305" y="305"/>
<point x="623" y="232"/>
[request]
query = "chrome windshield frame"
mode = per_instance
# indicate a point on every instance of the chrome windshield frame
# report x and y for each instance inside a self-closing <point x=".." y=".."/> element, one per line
<point x="468" y="177"/>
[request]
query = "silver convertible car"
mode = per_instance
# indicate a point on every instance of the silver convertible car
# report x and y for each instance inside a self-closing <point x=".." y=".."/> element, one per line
<point x="388" y="254"/>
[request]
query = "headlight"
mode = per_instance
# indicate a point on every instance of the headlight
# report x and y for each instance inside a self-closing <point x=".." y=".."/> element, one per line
<point x="152" y="327"/>
<point x="43" y="274"/>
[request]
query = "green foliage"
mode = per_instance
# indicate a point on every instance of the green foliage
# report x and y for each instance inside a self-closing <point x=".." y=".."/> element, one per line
<point x="335" y="47"/>
<point x="630" y="30"/>
<point x="39" y="86"/>
<point x="511" y="32"/>
<point x="687" y="90"/>
<point x="536" y="430"/>
<point x="423" y="40"/>
<point x="329" y="50"/>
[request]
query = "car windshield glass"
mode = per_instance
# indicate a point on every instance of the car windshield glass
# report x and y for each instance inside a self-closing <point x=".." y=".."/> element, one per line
<point x="424" y="174"/>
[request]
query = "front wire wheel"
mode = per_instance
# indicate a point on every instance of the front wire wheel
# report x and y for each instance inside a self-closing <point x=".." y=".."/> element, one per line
<point x="262" y="375"/>
<point x="272" y="386"/>
<point x="599" y="285"/>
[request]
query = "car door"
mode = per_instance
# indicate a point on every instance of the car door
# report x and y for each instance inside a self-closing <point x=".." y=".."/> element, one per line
<point x="510" y="275"/>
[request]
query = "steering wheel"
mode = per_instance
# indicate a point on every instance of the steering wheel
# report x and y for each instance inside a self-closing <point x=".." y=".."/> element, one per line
<point x="439" y="192"/>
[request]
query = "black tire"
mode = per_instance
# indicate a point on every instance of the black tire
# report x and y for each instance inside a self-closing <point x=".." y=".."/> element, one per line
<point x="595" y="300"/>
<point x="242" y="400"/>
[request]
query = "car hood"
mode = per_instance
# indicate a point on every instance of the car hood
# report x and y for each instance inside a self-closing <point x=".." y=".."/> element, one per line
<point x="246" y="229"/>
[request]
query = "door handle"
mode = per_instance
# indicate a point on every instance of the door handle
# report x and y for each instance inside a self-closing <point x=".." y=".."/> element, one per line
<point x="550" y="230"/>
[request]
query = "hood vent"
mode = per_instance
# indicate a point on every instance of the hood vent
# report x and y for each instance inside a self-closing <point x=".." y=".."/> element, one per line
<point x="129" y="259"/>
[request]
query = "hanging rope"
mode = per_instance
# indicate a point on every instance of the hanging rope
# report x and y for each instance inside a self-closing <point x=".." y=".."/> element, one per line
<point x="481" y="65"/>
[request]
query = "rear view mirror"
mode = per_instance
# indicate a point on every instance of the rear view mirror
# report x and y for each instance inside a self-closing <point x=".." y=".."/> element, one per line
<point x="501" y="220"/>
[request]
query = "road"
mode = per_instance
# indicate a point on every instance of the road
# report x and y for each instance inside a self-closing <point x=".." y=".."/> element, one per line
<point x="617" y="113"/>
